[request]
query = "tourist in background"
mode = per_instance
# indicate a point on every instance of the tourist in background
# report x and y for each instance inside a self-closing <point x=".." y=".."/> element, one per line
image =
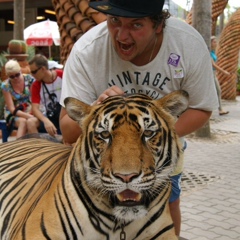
<point x="46" y="91"/>
<point x="16" y="92"/>
<point x="54" y="65"/>
<point x="217" y="68"/>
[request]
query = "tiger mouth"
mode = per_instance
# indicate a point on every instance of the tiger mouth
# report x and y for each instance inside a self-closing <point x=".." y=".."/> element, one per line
<point x="128" y="198"/>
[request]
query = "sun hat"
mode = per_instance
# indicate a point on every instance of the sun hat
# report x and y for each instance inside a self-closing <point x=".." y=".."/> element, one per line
<point x="129" y="8"/>
<point x="53" y="64"/>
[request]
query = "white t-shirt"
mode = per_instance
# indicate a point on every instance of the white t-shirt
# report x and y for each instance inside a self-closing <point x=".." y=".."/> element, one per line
<point x="183" y="62"/>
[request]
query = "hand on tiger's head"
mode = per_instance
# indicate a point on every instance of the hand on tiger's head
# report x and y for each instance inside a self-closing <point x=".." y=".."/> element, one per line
<point x="112" y="91"/>
<point x="131" y="149"/>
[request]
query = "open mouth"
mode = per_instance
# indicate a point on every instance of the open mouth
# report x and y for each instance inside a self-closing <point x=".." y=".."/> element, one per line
<point x="126" y="49"/>
<point x="128" y="198"/>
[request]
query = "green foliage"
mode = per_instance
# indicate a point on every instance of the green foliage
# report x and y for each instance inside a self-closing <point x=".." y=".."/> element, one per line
<point x="31" y="51"/>
<point x="3" y="59"/>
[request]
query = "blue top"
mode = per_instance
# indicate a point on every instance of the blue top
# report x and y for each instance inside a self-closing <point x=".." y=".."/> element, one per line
<point x="213" y="56"/>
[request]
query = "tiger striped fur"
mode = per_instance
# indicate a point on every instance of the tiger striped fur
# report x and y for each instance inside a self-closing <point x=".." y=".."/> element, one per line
<point x="113" y="184"/>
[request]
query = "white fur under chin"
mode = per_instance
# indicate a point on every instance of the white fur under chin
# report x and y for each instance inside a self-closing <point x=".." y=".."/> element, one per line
<point x="128" y="214"/>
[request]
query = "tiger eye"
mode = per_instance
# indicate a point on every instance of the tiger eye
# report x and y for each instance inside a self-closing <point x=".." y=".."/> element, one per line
<point x="148" y="133"/>
<point x="105" y="134"/>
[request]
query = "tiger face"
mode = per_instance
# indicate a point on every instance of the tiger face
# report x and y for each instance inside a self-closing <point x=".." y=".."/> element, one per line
<point x="129" y="149"/>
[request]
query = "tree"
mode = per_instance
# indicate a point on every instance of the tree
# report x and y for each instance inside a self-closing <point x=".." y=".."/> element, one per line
<point x="202" y="22"/>
<point x="19" y="18"/>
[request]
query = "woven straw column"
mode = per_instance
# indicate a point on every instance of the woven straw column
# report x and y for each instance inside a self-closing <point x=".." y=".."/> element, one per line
<point x="74" y="18"/>
<point x="218" y="7"/>
<point x="228" y="54"/>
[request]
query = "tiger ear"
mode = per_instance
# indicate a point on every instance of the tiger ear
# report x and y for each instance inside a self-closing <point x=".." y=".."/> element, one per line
<point x="175" y="102"/>
<point x="76" y="109"/>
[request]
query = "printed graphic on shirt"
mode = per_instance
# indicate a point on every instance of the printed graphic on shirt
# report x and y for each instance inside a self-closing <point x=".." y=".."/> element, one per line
<point x="173" y="59"/>
<point x="152" y="84"/>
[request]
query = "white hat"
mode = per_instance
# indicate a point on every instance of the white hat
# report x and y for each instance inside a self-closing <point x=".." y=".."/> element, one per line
<point x="54" y="64"/>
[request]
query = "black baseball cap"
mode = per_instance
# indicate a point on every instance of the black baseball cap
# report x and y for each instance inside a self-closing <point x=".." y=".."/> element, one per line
<point x="129" y="8"/>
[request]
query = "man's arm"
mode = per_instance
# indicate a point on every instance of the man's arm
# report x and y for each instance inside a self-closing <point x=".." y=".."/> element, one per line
<point x="220" y="69"/>
<point x="69" y="128"/>
<point x="49" y="126"/>
<point x="191" y="120"/>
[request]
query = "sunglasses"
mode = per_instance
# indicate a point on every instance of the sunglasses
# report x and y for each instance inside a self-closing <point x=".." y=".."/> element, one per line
<point x="15" y="76"/>
<point x="35" y="71"/>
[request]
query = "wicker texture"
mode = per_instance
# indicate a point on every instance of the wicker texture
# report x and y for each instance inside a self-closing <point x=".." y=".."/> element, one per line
<point x="228" y="53"/>
<point x="218" y="7"/>
<point x="227" y="49"/>
<point x="74" y="18"/>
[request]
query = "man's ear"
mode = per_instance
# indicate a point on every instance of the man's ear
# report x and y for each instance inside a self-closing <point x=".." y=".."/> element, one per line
<point x="159" y="28"/>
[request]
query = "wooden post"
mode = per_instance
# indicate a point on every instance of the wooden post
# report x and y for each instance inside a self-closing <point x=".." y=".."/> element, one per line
<point x="202" y="22"/>
<point x="19" y="19"/>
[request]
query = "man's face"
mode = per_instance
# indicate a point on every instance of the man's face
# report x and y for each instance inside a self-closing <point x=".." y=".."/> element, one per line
<point x="213" y="44"/>
<point x="133" y="38"/>
<point x="36" y="72"/>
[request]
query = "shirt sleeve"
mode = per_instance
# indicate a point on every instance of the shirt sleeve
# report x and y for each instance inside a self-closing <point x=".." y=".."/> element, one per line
<point x="200" y="85"/>
<point x="35" y="92"/>
<point x="76" y="82"/>
<point x="59" y="73"/>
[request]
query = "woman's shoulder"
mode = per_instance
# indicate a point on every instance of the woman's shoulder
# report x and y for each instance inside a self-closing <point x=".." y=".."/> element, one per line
<point x="29" y="78"/>
<point x="5" y="84"/>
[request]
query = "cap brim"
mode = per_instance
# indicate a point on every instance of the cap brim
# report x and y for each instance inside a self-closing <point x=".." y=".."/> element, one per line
<point x="106" y="8"/>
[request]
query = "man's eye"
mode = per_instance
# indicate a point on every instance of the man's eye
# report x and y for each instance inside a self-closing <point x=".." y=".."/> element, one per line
<point x="114" y="20"/>
<point x="137" y="25"/>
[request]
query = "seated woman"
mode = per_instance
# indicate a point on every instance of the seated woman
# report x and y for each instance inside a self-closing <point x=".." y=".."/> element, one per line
<point x="16" y="92"/>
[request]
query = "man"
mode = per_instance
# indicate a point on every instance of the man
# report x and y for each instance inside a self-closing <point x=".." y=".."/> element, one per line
<point x="45" y="92"/>
<point x="139" y="49"/>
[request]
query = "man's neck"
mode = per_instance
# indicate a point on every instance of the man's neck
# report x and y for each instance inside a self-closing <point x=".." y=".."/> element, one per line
<point x="156" y="45"/>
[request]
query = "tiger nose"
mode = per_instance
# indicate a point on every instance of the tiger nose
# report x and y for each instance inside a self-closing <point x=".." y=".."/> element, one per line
<point x="126" y="177"/>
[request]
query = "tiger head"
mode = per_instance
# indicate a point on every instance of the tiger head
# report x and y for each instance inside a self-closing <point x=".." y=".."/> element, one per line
<point x="127" y="150"/>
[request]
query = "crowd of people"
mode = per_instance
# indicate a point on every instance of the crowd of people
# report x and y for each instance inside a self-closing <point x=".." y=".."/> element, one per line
<point x="158" y="52"/>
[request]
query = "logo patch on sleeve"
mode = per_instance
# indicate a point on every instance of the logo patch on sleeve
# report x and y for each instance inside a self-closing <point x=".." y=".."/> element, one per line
<point x="173" y="59"/>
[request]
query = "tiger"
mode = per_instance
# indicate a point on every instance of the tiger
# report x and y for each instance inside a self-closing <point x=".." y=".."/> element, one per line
<point x="113" y="183"/>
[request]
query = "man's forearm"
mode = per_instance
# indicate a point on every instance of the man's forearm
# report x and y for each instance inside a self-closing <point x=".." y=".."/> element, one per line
<point x="191" y="120"/>
<point x="69" y="128"/>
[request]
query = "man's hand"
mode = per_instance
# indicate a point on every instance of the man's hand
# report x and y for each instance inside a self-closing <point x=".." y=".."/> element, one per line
<point x="50" y="128"/>
<point x="112" y="91"/>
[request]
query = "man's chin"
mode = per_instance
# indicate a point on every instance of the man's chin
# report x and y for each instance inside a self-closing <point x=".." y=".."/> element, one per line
<point x="124" y="56"/>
